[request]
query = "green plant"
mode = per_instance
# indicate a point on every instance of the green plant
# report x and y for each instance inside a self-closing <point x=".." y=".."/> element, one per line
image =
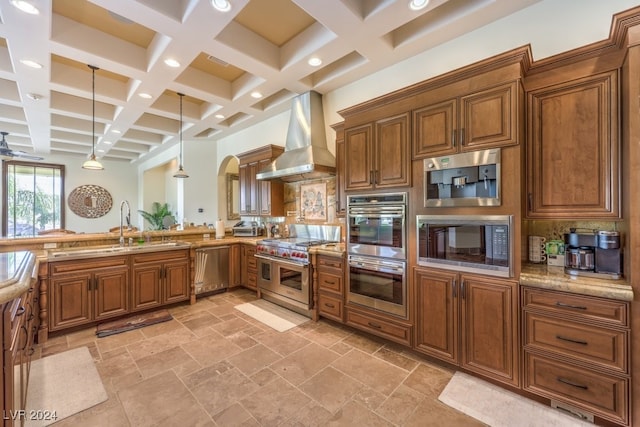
<point x="156" y="217"/>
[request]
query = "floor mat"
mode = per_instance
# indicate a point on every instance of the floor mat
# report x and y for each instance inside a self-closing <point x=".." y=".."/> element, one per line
<point x="62" y="385"/>
<point x="272" y="315"/>
<point x="132" y="322"/>
<point x="498" y="407"/>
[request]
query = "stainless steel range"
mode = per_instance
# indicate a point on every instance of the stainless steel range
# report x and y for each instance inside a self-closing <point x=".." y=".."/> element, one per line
<point x="284" y="265"/>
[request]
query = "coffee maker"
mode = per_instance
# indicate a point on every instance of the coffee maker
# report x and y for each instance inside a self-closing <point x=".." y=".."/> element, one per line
<point x="597" y="253"/>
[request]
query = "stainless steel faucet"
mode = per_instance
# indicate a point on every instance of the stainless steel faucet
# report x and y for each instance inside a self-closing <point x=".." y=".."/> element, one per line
<point x="128" y="219"/>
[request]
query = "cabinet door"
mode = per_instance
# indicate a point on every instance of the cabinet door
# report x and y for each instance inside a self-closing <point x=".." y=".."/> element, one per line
<point x="235" y="261"/>
<point x="69" y="301"/>
<point x="490" y="118"/>
<point x="358" y="162"/>
<point x="176" y="281"/>
<point x="248" y="188"/>
<point x="264" y="190"/>
<point x="341" y="197"/>
<point x="435" y="129"/>
<point x="244" y="266"/>
<point x="146" y="286"/>
<point x="572" y="150"/>
<point x="489" y="315"/>
<point x="111" y="293"/>
<point x="392" y="155"/>
<point x="437" y="314"/>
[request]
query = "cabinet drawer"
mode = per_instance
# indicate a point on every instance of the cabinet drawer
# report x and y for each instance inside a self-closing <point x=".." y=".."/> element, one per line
<point x="330" y="307"/>
<point x="326" y="263"/>
<point x="330" y="282"/>
<point x="63" y="267"/>
<point x="603" y="395"/>
<point x="252" y="263"/>
<point x="581" y="306"/>
<point x="591" y="344"/>
<point x="381" y="327"/>
<point x="252" y="280"/>
<point x="160" y="256"/>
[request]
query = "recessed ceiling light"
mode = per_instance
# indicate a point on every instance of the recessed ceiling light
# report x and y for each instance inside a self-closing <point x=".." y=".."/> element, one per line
<point x="256" y="94"/>
<point x="418" y="4"/>
<point x="172" y="62"/>
<point x="34" y="96"/>
<point x="31" y="63"/>
<point x="219" y="116"/>
<point x="314" y="61"/>
<point x="100" y="151"/>
<point x="221" y="5"/>
<point x="26" y="7"/>
<point x="144" y="95"/>
<point x="115" y="131"/>
<point x="107" y="142"/>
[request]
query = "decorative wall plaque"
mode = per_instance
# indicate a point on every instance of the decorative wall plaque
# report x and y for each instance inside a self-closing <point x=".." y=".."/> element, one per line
<point x="90" y="201"/>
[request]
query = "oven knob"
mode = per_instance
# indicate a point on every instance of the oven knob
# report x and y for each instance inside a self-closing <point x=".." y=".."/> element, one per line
<point x="273" y="252"/>
<point x="285" y="254"/>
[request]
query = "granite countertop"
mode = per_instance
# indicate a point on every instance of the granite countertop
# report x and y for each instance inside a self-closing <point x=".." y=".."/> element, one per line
<point x="550" y="277"/>
<point x="17" y="270"/>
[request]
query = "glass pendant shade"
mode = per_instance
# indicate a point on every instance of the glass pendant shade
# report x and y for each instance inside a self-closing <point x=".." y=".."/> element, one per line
<point x="180" y="173"/>
<point x="93" y="164"/>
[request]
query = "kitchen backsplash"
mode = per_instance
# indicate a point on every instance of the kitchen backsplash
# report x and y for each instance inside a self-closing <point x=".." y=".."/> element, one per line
<point x="555" y="230"/>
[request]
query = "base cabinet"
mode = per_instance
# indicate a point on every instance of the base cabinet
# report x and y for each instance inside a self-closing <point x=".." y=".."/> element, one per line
<point x="82" y="291"/>
<point x="249" y="272"/>
<point x="329" y="272"/>
<point x="576" y="351"/>
<point x="468" y="320"/>
<point x="160" y="278"/>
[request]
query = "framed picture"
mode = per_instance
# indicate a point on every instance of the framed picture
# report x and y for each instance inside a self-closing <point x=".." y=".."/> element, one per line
<point x="313" y="201"/>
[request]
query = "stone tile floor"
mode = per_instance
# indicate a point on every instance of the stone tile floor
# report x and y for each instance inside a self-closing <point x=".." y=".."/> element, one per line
<point x="214" y="366"/>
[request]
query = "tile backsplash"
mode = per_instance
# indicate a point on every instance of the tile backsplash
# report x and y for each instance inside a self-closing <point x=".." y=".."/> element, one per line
<point x="555" y="230"/>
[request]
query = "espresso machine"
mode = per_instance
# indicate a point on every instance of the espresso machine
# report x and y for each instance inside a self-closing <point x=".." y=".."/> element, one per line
<point x="596" y="253"/>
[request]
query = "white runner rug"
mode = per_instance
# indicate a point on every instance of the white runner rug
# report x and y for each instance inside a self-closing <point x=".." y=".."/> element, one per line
<point x="272" y="315"/>
<point x="498" y="407"/>
<point x="62" y="385"/>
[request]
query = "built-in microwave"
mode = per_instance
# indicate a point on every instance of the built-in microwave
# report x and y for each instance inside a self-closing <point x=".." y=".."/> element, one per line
<point x="469" y="243"/>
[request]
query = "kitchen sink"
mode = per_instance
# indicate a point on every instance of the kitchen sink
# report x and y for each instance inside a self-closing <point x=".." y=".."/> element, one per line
<point x="113" y="250"/>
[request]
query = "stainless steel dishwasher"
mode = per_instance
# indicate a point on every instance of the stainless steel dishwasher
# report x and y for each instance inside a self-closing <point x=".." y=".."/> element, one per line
<point x="211" y="269"/>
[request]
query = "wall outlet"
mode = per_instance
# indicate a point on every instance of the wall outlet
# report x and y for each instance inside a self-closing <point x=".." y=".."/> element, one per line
<point x="51" y="245"/>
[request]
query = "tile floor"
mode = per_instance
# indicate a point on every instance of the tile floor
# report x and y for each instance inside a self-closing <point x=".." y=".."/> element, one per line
<point x="214" y="366"/>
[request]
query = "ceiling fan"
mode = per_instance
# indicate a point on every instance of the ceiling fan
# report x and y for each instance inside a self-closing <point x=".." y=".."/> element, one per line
<point x="8" y="154"/>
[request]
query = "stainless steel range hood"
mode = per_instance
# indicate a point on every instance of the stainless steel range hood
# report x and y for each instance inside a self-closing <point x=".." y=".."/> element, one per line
<point x="306" y="155"/>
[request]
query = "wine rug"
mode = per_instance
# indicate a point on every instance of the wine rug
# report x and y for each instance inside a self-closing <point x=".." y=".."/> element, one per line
<point x="272" y="315"/>
<point x="498" y="407"/>
<point x="62" y="385"/>
<point x="132" y="322"/>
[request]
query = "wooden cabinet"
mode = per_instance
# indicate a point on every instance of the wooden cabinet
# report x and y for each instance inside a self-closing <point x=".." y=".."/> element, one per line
<point x="19" y="325"/>
<point x="573" y="149"/>
<point x="576" y="351"/>
<point x="376" y="155"/>
<point x="468" y="320"/>
<point x="330" y="282"/>
<point x="235" y="264"/>
<point x="259" y="197"/>
<point x="378" y="324"/>
<point x="249" y="272"/>
<point x="82" y="291"/>
<point x="159" y="278"/>
<point x="484" y="119"/>
<point x="341" y="197"/>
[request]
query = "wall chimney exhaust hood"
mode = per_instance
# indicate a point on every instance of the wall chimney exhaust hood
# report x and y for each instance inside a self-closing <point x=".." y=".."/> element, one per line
<point x="305" y="155"/>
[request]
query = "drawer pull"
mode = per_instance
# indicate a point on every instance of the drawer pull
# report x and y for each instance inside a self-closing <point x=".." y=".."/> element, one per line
<point x="572" y="384"/>
<point x="563" y="305"/>
<point x="20" y="311"/>
<point x="374" y="325"/>
<point x="330" y="282"/>
<point x="560" y="337"/>
<point x="328" y="304"/>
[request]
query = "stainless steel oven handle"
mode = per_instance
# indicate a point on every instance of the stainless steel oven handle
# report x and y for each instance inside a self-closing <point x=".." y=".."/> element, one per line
<point x="377" y="267"/>
<point x="282" y="261"/>
<point x="376" y="213"/>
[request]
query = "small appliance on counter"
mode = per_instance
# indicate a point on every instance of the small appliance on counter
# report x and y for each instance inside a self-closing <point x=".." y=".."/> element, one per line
<point x="597" y="253"/>
<point x="247" y="229"/>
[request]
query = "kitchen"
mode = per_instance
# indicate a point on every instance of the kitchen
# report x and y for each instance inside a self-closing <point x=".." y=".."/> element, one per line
<point x="194" y="164"/>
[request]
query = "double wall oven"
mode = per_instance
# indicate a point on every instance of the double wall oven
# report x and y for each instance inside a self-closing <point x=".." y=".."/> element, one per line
<point x="377" y="252"/>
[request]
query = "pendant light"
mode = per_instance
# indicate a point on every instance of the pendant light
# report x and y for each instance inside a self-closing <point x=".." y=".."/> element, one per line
<point x="93" y="163"/>
<point x="180" y="173"/>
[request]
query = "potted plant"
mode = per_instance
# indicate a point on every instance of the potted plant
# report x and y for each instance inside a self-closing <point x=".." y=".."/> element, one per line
<point x="156" y="217"/>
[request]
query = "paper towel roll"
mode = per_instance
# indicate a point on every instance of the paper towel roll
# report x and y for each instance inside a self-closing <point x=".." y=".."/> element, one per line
<point x="219" y="229"/>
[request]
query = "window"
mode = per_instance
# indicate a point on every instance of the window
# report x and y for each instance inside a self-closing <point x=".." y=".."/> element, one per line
<point x="33" y="198"/>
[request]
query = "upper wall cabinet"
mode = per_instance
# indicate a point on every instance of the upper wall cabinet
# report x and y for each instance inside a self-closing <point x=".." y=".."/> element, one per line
<point x="260" y="197"/>
<point x="480" y="120"/>
<point x="377" y="154"/>
<point x="341" y="198"/>
<point x="572" y="150"/>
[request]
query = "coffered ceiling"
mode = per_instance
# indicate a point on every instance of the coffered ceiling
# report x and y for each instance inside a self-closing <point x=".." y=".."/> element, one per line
<point x="224" y="57"/>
